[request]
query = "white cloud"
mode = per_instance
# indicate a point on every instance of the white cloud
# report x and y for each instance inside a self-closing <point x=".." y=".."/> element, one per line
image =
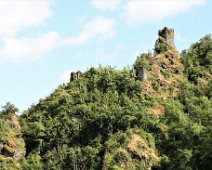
<point x="144" y="12"/>
<point x="18" y="49"/>
<point x="180" y="38"/>
<point x="17" y="15"/>
<point x="65" y="77"/>
<point x="99" y="28"/>
<point x="104" y="5"/>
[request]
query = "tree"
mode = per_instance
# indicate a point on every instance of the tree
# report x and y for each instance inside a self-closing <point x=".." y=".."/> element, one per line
<point x="9" y="108"/>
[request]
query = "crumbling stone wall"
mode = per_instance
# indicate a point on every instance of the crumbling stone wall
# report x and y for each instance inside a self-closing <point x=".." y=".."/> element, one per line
<point x="75" y="75"/>
<point x="141" y="74"/>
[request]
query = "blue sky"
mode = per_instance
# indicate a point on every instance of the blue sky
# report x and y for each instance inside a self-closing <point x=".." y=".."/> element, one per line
<point x="42" y="41"/>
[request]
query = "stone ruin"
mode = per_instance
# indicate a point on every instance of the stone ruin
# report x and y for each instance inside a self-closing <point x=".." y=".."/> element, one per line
<point x="141" y="74"/>
<point x="75" y="75"/>
<point x="165" y="40"/>
<point x="168" y="35"/>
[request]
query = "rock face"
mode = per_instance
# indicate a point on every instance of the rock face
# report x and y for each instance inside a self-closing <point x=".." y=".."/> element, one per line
<point x="75" y="75"/>
<point x="165" y="40"/>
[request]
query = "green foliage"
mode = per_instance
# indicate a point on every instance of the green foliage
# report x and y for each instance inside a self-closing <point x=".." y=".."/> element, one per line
<point x="76" y="120"/>
<point x="155" y="85"/>
<point x="12" y="146"/>
<point x="166" y="74"/>
<point x="198" y="59"/>
<point x="104" y="121"/>
<point x="8" y="109"/>
<point x="9" y="165"/>
<point x="32" y="162"/>
<point x="163" y="47"/>
<point x="142" y="61"/>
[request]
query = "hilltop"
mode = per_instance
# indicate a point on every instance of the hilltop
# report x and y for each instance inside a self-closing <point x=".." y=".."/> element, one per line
<point x="154" y="115"/>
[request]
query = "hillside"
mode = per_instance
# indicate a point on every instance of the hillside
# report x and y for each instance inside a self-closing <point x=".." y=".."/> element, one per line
<point x="12" y="145"/>
<point x="154" y="115"/>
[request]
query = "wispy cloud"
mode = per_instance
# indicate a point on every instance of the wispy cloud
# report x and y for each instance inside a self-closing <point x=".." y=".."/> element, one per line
<point x="18" y="49"/>
<point x="99" y="28"/>
<point x="18" y="15"/>
<point x="21" y="15"/>
<point x="65" y="77"/>
<point x="106" y="5"/>
<point x="145" y="12"/>
<point x="24" y="15"/>
<point x="180" y="38"/>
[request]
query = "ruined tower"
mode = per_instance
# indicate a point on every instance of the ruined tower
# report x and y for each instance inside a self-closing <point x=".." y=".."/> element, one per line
<point x="141" y="74"/>
<point x="165" y="40"/>
<point x="75" y="75"/>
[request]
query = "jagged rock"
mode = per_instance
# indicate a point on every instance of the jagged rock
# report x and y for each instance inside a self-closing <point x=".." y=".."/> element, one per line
<point x="165" y="40"/>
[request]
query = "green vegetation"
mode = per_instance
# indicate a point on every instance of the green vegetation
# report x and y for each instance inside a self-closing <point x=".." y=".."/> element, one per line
<point x="109" y="120"/>
<point x="12" y="146"/>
